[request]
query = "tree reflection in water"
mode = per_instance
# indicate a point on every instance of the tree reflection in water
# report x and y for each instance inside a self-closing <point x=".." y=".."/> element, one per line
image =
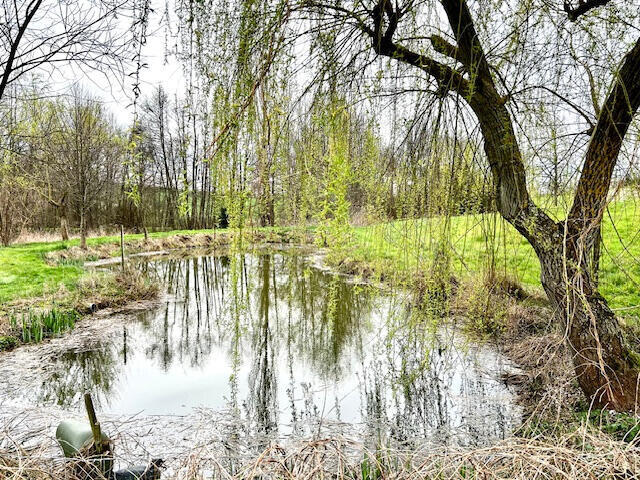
<point x="289" y="350"/>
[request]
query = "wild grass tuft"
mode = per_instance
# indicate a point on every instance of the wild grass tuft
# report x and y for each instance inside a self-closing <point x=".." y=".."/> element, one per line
<point x="36" y="326"/>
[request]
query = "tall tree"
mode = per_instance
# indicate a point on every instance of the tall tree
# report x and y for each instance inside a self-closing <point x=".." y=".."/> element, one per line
<point x="608" y="371"/>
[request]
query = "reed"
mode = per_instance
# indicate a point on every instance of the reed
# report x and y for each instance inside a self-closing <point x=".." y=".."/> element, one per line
<point x="36" y="326"/>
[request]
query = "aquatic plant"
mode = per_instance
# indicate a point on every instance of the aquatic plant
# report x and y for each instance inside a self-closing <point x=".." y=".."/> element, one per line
<point x="37" y="326"/>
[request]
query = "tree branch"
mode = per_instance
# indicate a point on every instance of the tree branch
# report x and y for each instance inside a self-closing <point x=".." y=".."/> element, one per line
<point x="443" y="47"/>
<point x="583" y="7"/>
<point x="616" y="115"/>
<point x="448" y="78"/>
<point x="32" y="8"/>
<point x="470" y="49"/>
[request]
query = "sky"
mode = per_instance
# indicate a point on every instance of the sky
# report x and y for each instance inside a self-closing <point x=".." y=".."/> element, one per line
<point x="116" y="90"/>
<point x="160" y="69"/>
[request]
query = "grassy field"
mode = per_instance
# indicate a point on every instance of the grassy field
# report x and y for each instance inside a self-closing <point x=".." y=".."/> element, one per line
<point x="474" y="242"/>
<point x="400" y="248"/>
<point x="24" y="273"/>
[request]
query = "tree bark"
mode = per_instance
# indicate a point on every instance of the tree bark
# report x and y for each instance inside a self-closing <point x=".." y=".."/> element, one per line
<point x="606" y="368"/>
<point x="83" y="231"/>
<point x="64" y="226"/>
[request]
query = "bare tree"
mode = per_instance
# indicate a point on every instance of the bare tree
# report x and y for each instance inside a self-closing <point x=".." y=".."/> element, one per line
<point x="86" y="147"/>
<point x="15" y="187"/>
<point x="37" y="35"/>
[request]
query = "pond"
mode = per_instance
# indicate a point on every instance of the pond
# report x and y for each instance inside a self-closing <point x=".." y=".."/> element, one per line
<point x="284" y="349"/>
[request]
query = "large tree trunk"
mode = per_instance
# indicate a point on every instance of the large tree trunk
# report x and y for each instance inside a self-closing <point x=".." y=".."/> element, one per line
<point x="606" y="368"/>
<point x="64" y="226"/>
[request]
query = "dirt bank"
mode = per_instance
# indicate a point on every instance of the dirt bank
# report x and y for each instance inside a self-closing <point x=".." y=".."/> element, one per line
<point x="211" y="241"/>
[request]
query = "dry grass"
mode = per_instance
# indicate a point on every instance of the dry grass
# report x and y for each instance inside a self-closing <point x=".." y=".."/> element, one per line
<point x="112" y="289"/>
<point x="33" y="236"/>
<point x="111" y="247"/>
<point x="522" y="327"/>
<point x="547" y="388"/>
<point x="582" y="454"/>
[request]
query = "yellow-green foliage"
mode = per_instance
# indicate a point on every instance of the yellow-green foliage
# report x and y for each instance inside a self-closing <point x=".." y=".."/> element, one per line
<point x="333" y="218"/>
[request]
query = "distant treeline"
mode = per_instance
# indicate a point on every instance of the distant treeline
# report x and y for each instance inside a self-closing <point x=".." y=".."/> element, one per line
<point x="66" y="165"/>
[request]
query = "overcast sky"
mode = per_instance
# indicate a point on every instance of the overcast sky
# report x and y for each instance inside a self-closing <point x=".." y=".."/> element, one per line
<point x="117" y="93"/>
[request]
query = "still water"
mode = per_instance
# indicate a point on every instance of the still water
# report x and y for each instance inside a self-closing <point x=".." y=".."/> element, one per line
<point x="285" y="349"/>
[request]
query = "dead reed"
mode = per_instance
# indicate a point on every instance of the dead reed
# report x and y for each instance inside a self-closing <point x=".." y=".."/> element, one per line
<point x="584" y="453"/>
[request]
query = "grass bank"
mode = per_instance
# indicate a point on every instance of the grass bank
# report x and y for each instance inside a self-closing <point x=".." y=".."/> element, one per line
<point x="49" y="278"/>
<point x="473" y="244"/>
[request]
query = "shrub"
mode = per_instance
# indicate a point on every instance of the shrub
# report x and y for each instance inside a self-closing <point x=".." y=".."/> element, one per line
<point x="8" y="342"/>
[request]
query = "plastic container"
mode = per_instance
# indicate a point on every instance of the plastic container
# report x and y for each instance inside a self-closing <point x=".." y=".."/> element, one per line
<point x="76" y="437"/>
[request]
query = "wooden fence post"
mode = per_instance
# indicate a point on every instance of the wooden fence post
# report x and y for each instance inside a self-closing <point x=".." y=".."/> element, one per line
<point x="122" y="245"/>
<point x="93" y="421"/>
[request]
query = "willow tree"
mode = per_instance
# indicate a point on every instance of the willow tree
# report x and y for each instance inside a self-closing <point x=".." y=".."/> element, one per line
<point x="492" y="61"/>
<point x="442" y="41"/>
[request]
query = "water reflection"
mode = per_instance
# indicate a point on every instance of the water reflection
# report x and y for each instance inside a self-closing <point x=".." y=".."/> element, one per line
<point x="286" y="349"/>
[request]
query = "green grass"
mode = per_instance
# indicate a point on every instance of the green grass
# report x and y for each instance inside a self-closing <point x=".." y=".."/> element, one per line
<point x="36" y="326"/>
<point x="471" y="241"/>
<point x="25" y="274"/>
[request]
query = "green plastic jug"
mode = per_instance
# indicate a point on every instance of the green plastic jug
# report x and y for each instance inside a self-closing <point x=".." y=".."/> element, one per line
<point x="75" y="437"/>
